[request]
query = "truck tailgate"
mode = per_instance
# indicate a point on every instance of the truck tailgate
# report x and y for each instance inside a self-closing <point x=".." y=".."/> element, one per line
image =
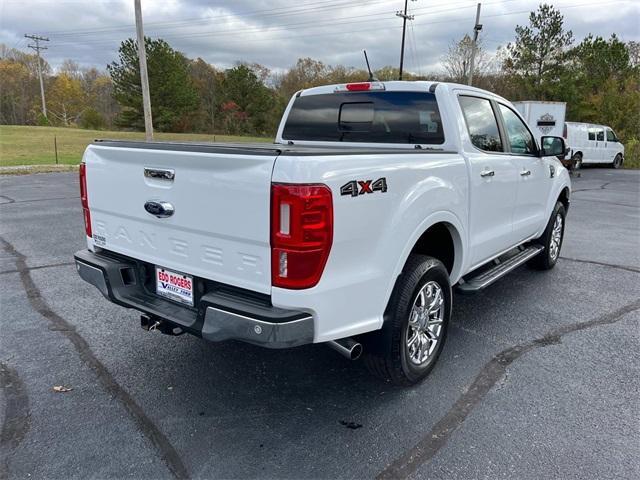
<point x="221" y="199"/>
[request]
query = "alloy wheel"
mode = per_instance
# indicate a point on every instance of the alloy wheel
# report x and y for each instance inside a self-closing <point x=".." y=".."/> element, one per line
<point x="425" y="323"/>
<point x="556" y="237"/>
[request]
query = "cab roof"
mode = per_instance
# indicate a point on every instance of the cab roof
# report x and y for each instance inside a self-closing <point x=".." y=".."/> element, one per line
<point x="400" y="86"/>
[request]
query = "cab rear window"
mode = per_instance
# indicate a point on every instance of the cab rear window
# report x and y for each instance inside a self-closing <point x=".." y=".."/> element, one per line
<point x="374" y="117"/>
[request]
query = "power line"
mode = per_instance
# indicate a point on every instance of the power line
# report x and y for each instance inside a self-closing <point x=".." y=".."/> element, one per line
<point x="260" y="29"/>
<point x="188" y="22"/>
<point x="242" y="34"/>
<point x="37" y="47"/>
<point x="246" y="31"/>
<point x="287" y="26"/>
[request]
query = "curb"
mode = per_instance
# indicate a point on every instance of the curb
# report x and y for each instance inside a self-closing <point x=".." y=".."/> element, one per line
<point x="29" y="169"/>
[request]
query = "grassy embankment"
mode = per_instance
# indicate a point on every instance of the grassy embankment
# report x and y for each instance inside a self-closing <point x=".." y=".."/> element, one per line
<point x="27" y="145"/>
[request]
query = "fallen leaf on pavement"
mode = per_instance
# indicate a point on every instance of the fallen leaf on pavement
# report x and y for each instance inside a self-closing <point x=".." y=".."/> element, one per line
<point x="61" y="389"/>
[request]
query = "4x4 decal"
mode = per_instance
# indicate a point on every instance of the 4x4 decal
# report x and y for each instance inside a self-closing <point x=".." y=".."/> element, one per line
<point x="360" y="187"/>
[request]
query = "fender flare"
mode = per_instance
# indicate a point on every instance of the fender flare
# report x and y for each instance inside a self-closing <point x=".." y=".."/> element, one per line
<point x="378" y="341"/>
<point x="458" y="235"/>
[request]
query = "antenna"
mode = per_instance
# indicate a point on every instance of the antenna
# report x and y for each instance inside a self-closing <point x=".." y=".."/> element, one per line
<point x="372" y="78"/>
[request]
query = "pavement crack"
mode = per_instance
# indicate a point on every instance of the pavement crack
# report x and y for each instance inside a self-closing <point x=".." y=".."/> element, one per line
<point x="8" y="200"/>
<point x="604" y="202"/>
<point x="38" y="267"/>
<point x="17" y="417"/>
<point x="492" y="372"/>
<point x="601" y="187"/>
<point x="35" y="200"/>
<point x="602" y="264"/>
<point x="161" y="443"/>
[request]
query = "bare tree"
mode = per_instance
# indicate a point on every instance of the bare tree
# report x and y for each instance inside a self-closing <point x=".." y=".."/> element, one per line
<point x="71" y="68"/>
<point x="458" y="58"/>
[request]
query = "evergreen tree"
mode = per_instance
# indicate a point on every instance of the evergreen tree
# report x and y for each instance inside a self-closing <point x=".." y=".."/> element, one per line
<point x="173" y="97"/>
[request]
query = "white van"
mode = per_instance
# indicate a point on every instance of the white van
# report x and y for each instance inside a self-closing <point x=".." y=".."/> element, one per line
<point x="589" y="143"/>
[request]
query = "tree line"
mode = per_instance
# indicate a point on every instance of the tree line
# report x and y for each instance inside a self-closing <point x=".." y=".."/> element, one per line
<point x="599" y="78"/>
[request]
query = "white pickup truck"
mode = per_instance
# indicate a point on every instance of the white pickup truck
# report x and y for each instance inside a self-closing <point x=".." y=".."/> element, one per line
<point x="376" y="199"/>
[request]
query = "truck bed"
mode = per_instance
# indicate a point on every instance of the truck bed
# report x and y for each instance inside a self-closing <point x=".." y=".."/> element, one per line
<point x="257" y="148"/>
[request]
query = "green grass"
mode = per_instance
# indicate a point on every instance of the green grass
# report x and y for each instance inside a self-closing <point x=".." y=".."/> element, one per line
<point x="27" y="145"/>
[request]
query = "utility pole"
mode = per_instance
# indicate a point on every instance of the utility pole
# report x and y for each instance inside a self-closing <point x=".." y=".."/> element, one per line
<point x="144" y="77"/>
<point x="404" y="17"/>
<point x="37" y="47"/>
<point x="476" y="31"/>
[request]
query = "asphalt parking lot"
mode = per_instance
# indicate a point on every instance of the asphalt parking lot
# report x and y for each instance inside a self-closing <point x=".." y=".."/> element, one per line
<point x="539" y="377"/>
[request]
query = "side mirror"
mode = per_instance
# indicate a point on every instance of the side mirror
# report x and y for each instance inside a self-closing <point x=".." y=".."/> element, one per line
<point x="553" y="146"/>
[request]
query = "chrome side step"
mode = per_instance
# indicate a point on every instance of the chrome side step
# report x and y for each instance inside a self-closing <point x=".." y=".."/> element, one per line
<point x="498" y="271"/>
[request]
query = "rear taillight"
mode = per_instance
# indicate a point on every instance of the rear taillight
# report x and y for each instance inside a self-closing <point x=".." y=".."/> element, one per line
<point x="301" y="234"/>
<point x="84" y="199"/>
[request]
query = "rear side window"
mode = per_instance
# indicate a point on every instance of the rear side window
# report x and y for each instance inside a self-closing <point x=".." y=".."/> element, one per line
<point x="600" y="135"/>
<point x="592" y="134"/>
<point x="375" y="117"/>
<point x="520" y="139"/>
<point x="481" y="123"/>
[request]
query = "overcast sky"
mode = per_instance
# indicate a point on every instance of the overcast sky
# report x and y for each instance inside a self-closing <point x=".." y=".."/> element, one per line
<point x="277" y="32"/>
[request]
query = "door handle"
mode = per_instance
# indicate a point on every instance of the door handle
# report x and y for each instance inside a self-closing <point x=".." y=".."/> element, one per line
<point x="160" y="173"/>
<point x="487" y="173"/>
<point x="525" y="173"/>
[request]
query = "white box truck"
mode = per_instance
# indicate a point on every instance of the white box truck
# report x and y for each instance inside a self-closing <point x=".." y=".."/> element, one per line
<point x="544" y="118"/>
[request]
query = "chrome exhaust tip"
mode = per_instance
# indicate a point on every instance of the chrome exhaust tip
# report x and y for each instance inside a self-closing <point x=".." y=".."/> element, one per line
<point x="347" y="347"/>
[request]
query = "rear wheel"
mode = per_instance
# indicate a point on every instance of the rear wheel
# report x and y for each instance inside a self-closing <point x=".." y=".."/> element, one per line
<point x="551" y="240"/>
<point x="617" y="162"/>
<point x="417" y="316"/>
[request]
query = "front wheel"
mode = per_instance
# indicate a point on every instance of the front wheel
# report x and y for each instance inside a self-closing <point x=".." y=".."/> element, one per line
<point x="577" y="161"/>
<point x="617" y="162"/>
<point x="551" y="240"/>
<point x="417" y="318"/>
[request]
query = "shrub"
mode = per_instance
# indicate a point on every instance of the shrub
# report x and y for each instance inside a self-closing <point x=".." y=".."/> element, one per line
<point x="632" y="153"/>
<point x="42" y="121"/>
<point x="91" y="119"/>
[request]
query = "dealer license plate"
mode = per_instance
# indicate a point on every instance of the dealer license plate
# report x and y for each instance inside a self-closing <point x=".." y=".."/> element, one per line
<point x="175" y="286"/>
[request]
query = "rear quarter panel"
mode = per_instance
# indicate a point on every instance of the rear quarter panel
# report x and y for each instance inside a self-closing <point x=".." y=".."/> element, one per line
<point x="373" y="232"/>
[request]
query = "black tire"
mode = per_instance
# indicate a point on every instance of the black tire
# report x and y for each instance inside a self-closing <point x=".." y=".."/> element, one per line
<point x="393" y="361"/>
<point x="577" y="161"/>
<point x="546" y="260"/>
<point x="617" y="162"/>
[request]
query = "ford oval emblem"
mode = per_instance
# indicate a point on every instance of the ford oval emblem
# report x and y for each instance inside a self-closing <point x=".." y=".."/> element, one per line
<point x="159" y="209"/>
